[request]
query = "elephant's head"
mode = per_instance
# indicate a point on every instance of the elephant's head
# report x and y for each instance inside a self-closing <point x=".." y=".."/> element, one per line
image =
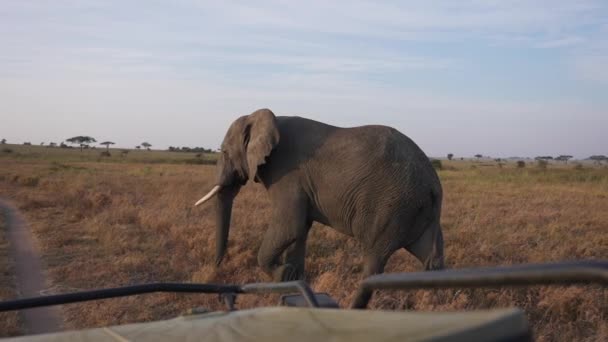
<point x="249" y="140"/>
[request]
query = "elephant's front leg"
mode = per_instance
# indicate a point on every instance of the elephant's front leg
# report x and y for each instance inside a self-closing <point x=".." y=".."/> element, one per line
<point x="288" y="226"/>
<point x="295" y="255"/>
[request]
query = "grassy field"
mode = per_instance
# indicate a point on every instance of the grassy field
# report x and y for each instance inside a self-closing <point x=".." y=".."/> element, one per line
<point x="9" y="321"/>
<point x="117" y="155"/>
<point x="117" y="223"/>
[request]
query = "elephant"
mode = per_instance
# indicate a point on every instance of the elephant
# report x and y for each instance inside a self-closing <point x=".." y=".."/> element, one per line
<point x="369" y="182"/>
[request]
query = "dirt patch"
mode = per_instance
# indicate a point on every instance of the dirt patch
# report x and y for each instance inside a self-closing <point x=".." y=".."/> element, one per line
<point x="29" y="274"/>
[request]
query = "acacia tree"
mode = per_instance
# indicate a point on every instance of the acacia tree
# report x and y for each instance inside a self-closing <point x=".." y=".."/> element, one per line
<point x="478" y="156"/>
<point x="563" y="158"/>
<point x="138" y="147"/>
<point x="146" y="145"/>
<point x="450" y="156"/>
<point x="598" y="158"/>
<point x="107" y="143"/>
<point x="81" y="140"/>
<point x="3" y="141"/>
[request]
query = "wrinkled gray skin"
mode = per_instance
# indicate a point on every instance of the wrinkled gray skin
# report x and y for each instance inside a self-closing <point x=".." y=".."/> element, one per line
<point x="371" y="182"/>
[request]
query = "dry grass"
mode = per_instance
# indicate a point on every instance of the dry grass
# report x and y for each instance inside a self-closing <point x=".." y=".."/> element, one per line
<point x="10" y="324"/>
<point x="115" y="224"/>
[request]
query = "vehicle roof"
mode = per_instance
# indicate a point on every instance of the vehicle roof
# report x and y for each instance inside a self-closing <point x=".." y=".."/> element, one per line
<point x="305" y="324"/>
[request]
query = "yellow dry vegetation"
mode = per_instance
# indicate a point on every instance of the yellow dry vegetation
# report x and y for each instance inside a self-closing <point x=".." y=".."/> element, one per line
<point x="112" y="224"/>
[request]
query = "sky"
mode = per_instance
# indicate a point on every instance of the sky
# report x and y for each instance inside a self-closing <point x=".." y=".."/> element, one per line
<point x="500" y="78"/>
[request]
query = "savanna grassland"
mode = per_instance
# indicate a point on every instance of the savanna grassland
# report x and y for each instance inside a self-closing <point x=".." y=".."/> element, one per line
<point x="110" y="223"/>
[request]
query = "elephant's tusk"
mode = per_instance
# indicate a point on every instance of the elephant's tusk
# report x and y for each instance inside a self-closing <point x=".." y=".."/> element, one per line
<point x="211" y="193"/>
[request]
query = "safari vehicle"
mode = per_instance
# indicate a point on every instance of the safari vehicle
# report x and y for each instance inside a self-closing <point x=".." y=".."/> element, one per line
<point x="302" y="315"/>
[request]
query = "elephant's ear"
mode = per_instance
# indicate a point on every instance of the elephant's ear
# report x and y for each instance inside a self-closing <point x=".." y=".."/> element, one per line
<point x="262" y="138"/>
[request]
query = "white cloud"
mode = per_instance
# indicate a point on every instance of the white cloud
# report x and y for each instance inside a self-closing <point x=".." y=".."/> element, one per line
<point x="402" y="19"/>
<point x="308" y="37"/>
<point x="561" y="42"/>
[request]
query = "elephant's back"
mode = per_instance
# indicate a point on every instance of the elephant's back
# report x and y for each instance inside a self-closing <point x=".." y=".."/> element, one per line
<point x="386" y="147"/>
<point x="371" y="172"/>
<point x="372" y="152"/>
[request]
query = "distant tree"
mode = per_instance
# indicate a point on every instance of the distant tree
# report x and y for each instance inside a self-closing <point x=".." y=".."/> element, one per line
<point x="598" y="158"/>
<point x="107" y="143"/>
<point x="521" y="164"/>
<point x="138" y="147"/>
<point x="146" y="145"/>
<point x="81" y="140"/>
<point x="545" y="158"/>
<point x="478" y="156"/>
<point x="450" y="156"/>
<point x="190" y="149"/>
<point x="542" y="163"/>
<point x="3" y="141"/>
<point x="52" y="144"/>
<point x="42" y="144"/>
<point x="436" y="164"/>
<point x="27" y="143"/>
<point x="563" y="158"/>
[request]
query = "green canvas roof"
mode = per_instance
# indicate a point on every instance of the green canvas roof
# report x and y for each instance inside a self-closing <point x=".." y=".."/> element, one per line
<point x="303" y="324"/>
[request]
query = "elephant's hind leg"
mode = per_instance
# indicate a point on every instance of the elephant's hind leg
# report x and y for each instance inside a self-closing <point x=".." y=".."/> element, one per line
<point x="374" y="264"/>
<point x="429" y="248"/>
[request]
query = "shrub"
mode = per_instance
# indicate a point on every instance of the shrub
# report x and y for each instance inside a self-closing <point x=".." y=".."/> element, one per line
<point x="28" y="181"/>
<point x="199" y="161"/>
<point x="578" y="166"/>
<point x="542" y="164"/>
<point x="7" y="150"/>
<point x="521" y="164"/>
<point x="436" y="164"/>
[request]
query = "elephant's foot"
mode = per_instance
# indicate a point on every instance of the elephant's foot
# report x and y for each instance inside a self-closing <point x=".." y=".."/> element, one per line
<point x="286" y="272"/>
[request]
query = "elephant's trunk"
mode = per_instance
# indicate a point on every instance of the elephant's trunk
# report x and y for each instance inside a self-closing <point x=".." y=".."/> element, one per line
<point x="223" y="201"/>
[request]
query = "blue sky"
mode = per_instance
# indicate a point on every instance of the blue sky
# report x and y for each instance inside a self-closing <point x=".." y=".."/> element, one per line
<point x="500" y="78"/>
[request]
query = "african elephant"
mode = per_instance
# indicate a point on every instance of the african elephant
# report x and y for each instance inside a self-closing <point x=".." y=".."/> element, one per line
<point x="371" y="182"/>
